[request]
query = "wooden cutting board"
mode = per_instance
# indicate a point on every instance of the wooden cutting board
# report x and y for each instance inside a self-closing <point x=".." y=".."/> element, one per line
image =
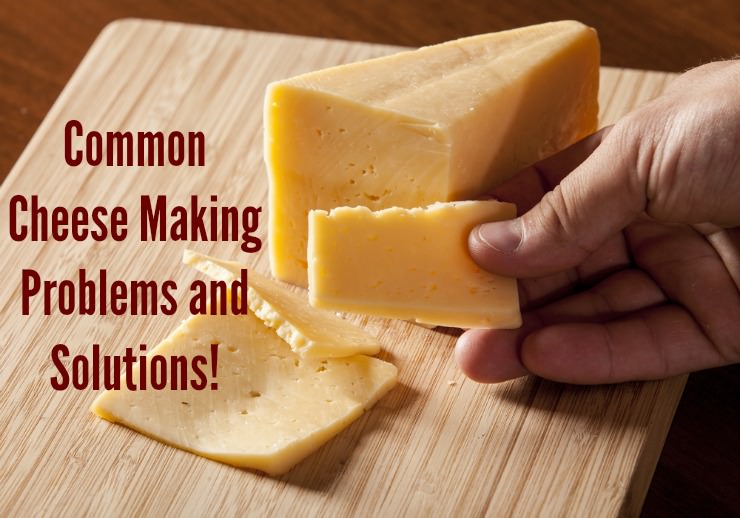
<point x="437" y="445"/>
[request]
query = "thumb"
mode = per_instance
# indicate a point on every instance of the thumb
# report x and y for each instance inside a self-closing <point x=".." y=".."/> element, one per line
<point x="597" y="199"/>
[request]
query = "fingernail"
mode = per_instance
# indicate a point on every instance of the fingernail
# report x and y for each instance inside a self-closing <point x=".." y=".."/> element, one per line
<point x="504" y="236"/>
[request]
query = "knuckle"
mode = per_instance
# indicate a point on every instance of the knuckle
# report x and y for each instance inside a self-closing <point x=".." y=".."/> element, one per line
<point x="559" y="219"/>
<point x="636" y="140"/>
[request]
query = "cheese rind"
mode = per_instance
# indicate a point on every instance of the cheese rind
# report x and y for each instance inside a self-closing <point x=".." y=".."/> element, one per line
<point x="445" y="122"/>
<point x="409" y="264"/>
<point x="310" y="332"/>
<point x="271" y="409"/>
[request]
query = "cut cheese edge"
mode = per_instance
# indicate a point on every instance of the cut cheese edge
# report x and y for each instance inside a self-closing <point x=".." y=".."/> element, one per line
<point x="409" y="264"/>
<point x="441" y="123"/>
<point x="271" y="409"/>
<point x="310" y="332"/>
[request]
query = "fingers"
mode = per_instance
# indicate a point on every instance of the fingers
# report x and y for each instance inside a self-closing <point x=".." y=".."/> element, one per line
<point x="610" y="258"/>
<point x="592" y="203"/>
<point x="652" y="344"/>
<point x="623" y="328"/>
<point x="695" y="271"/>
<point x="494" y="355"/>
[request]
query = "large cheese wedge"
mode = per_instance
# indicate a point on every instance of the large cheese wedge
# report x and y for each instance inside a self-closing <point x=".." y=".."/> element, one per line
<point x="271" y="409"/>
<point x="441" y="123"/>
<point x="409" y="264"/>
<point x="310" y="332"/>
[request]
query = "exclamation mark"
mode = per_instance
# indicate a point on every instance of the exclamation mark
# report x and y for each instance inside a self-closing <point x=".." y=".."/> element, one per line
<point x="214" y="366"/>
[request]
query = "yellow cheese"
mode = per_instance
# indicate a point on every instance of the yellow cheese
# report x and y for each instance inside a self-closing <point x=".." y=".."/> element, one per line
<point x="441" y="123"/>
<point x="409" y="264"/>
<point x="271" y="409"/>
<point x="310" y="332"/>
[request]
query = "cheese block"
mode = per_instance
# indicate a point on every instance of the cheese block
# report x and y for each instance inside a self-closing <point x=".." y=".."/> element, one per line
<point x="271" y="409"/>
<point x="310" y="332"/>
<point x="441" y="123"/>
<point x="409" y="264"/>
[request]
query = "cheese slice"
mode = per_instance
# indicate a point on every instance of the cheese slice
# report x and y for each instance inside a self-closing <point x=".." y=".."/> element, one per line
<point x="409" y="264"/>
<point x="442" y="123"/>
<point x="271" y="409"/>
<point x="310" y="332"/>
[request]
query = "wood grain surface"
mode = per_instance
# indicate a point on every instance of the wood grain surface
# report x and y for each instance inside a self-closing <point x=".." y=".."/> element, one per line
<point x="438" y="445"/>
<point x="42" y="41"/>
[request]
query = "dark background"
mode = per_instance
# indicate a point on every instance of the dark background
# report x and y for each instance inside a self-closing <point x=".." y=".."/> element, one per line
<point x="42" y="41"/>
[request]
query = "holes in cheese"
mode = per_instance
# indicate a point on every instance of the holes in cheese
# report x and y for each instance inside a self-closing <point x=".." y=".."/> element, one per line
<point x="311" y="332"/>
<point x="271" y="408"/>
<point x="445" y="122"/>
<point x="409" y="264"/>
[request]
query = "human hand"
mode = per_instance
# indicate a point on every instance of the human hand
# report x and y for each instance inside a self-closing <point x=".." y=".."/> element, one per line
<point x="629" y="251"/>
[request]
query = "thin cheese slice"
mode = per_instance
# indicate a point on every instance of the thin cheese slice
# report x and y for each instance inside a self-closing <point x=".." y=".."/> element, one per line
<point x="310" y="332"/>
<point x="441" y="123"/>
<point x="271" y="409"/>
<point x="409" y="264"/>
